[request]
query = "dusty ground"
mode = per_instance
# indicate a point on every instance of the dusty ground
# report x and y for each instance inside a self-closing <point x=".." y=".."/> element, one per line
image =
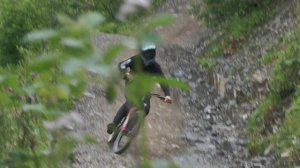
<point x="165" y="123"/>
<point x="195" y="130"/>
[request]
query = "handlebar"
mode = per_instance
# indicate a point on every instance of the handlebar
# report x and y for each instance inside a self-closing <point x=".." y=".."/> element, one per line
<point x="158" y="96"/>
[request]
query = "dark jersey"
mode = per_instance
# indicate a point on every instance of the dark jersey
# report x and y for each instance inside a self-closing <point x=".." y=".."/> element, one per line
<point x="135" y="64"/>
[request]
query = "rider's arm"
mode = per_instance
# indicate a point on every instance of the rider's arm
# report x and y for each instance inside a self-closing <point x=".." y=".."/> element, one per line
<point x="125" y="64"/>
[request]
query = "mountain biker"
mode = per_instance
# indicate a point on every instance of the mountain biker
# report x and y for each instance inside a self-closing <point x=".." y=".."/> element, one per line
<point x="143" y="62"/>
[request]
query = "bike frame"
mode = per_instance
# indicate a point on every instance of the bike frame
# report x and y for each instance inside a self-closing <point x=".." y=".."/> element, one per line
<point x="131" y="112"/>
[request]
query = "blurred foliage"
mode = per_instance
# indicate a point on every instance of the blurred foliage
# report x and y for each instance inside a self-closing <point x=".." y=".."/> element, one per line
<point x="134" y="21"/>
<point x="37" y="93"/>
<point x="16" y="21"/>
<point x="283" y="99"/>
<point x="43" y="87"/>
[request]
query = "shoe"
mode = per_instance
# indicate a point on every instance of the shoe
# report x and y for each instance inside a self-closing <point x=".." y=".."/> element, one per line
<point x="111" y="128"/>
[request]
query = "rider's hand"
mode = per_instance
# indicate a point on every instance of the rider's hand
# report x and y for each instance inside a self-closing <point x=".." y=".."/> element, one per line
<point x="168" y="99"/>
<point x="128" y="76"/>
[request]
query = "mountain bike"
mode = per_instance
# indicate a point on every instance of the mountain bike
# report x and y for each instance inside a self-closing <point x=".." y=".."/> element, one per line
<point x="128" y="128"/>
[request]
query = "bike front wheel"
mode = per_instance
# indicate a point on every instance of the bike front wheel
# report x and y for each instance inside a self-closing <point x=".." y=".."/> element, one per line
<point x="124" y="138"/>
<point x="122" y="142"/>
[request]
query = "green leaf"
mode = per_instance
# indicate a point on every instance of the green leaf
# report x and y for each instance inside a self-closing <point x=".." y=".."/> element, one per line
<point x="77" y="87"/>
<point x="2" y="78"/>
<point x="153" y="37"/>
<point x="63" y="91"/>
<point x="18" y="157"/>
<point x="110" y="93"/>
<point x="5" y="100"/>
<point x="91" y="19"/>
<point x="104" y="70"/>
<point x="12" y="81"/>
<point x="71" y="42"/>
<point x="43" y="63"/>
<point x="161" y="20"/>
<point x="65" y="20"/>
<point x="289" y="62"/>
<point x="112" y="52"/>
<point x="33" y="108"/>
<point x="41" y="35"/>
<point x="172" y="83"/>
<point x="72" y="66"/>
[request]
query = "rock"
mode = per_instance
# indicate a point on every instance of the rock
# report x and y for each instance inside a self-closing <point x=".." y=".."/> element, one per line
<point x="286" y="153"/>
<point x="244" y="117"/>
<point x="257" y="165"/>
<point x="258" y="77"/>
<point x="268" y="149"/>
<point x="226" y="145"/>
<point x="228" y="122"/>
<point x="241" y="142"/>
<point x="214" y="133"/>
<point x="275" y="128"/>
<point x="247" y="165"/>
<point x="208" y="127"/>
<point x="214" y="140"/>
<point x="200" y="80"/>
<point x="206" y="147"/>
<point x="179" y="74"/>
<point x="219" y="83"/>
<point x="260" y="161"/>
<point x="232" y="103"/>
<point x="192" y="85"/>
<point x="175" y="146"/>
<point x="207" y="117"/>
<point x="196" y="129"/>
<point x="208" y="109"/>
<point x="191" y="137"/>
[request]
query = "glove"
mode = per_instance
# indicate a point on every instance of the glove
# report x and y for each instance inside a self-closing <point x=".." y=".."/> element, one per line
<point x="128" y="77"/>
<point x="168" y="99"/>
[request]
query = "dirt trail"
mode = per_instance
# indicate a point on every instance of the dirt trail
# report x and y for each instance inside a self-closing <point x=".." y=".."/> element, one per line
<point x="165" y="123"/>
<point x="192" y="132"/>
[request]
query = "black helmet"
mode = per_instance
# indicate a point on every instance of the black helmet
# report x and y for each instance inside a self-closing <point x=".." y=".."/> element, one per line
<point x="148" y="52"/>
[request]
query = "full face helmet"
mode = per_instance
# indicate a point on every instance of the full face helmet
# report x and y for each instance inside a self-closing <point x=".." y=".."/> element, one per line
<point x="148" y="53"/>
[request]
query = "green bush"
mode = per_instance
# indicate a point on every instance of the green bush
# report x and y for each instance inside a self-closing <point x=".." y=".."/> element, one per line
<point x="219" y="11"/>
<point x="16" y="20"/>
<point x="283" y="97"/>
<point x="236" y="19"/>
<point x="21" y="17"/>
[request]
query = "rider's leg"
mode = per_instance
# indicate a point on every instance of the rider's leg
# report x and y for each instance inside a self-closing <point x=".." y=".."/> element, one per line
<point x="122" y="112"/>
